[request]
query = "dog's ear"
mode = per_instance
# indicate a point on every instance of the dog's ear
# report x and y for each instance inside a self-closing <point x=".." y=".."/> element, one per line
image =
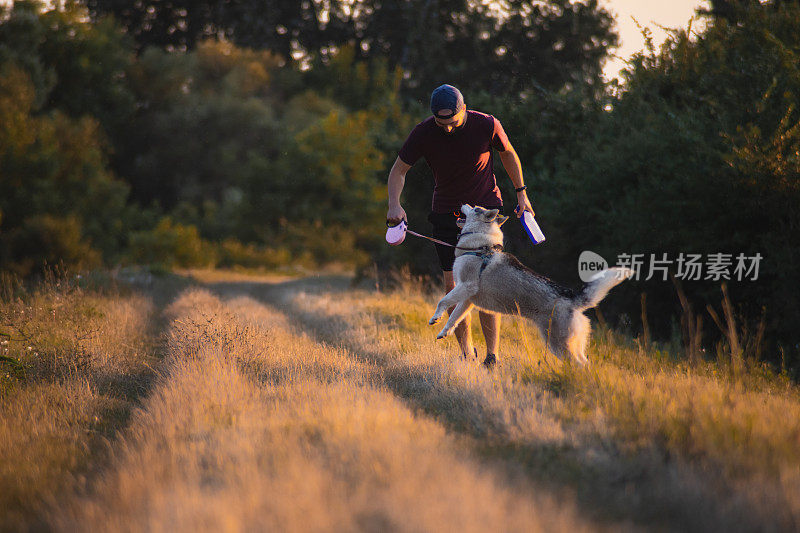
<point x="501" y="219"/>
<point x="491" y="214"/>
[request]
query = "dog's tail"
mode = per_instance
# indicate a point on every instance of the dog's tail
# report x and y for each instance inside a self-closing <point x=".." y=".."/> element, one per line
<point x="599" y="285"/>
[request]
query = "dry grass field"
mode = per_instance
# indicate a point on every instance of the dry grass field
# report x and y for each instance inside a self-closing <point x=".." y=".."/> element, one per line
<point x="239" y="403"/>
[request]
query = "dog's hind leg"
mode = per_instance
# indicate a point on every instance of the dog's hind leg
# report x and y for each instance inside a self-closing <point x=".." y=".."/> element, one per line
<point x="460" y="293"/>
<point x="579" y="331"/>
<point x="554" y="335"/>
<point x="462" y="310"/>
<point x="567" y="340"/>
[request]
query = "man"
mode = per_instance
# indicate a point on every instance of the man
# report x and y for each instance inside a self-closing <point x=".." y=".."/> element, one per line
<point x="457" y="145"/>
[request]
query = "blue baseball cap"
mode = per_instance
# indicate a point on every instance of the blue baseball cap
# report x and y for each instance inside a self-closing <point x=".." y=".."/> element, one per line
<point x="448" y="99"/>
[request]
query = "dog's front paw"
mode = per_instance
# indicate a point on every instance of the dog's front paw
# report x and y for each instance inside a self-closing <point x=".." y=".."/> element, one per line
<point x="434" y="319"/>
<point x="444" y="333"/>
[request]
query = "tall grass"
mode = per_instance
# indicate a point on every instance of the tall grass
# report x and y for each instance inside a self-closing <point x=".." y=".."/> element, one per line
<point x="698" y="445"/>
<point x="74" y="359"/>
<point x="256" y="426"/>
<point x="306" y="404"/>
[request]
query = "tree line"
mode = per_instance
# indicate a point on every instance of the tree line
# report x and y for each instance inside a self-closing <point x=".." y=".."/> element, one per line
<point x="260" y="133"/>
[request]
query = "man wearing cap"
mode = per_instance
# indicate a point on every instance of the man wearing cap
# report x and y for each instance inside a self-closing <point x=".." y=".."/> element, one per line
<point x="457" y="145"/>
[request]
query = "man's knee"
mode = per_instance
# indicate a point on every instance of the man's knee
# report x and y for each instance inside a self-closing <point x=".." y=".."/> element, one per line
<point x="449" y="281"/>
<point x="489" y="317"/>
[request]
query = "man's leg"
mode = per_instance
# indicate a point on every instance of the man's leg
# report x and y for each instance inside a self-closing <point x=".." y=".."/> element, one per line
<point x="462" y="332"/>
<point x="490" y="324"/>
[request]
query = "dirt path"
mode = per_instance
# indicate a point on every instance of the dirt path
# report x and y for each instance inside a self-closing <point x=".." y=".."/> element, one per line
<point x="300" y="405"/>
<point x="257" y="425"/>
<point x="527" y="425"/>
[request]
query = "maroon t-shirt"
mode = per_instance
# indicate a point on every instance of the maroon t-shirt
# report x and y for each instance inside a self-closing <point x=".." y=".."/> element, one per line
<point x="462" y="162"/>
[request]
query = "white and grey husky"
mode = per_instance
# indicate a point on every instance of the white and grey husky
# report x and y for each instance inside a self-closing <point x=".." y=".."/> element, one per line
<point x="497" y="282"/>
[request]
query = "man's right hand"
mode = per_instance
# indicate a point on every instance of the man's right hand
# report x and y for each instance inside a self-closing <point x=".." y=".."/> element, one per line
<point x="395" y="215"/>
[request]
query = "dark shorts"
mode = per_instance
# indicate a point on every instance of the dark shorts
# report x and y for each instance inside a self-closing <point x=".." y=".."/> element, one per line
<point x="445" y="229"/>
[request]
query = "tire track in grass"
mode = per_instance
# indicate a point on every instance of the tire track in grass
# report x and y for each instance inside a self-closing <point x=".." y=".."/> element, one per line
<point x="467" y="401"/>
<point x="509" y="422"/>
<point x="89" y="363"/>
<point x="256" y="426"/>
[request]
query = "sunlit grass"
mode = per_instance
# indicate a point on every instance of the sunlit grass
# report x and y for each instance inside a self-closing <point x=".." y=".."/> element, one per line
<point x="749" y="425"/>
<point x="74" y="360"/>
<point x="257" y="426"/>
<point x="308" y="404"/>
<point x="719" y="436"/>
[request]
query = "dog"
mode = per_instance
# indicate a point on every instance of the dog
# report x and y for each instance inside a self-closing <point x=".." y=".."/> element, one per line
<point x="497" y="282"/>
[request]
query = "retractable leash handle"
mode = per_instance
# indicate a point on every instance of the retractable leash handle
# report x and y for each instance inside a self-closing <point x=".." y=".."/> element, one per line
<point x="396" y="234"/>
<point x="531" y="227"/>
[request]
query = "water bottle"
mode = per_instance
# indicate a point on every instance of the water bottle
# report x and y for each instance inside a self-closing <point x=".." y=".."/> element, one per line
<point x="532" y="228"/>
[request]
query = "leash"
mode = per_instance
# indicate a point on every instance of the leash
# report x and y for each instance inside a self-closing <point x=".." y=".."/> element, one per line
<point x="485" y="250"/>
<point x="485" y="253"/>
<point x="437" y="241"/>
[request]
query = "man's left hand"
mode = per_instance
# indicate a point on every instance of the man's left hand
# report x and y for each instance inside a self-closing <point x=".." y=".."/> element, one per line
<point x="523" y="204"/>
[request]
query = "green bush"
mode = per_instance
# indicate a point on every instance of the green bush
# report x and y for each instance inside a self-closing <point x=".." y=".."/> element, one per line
<point x="233" y="253"/>
<point x="61" y="79"/>
<point x="697" y="153"/>
<point x="171" y="245"/>
<point x="48" y="240"/>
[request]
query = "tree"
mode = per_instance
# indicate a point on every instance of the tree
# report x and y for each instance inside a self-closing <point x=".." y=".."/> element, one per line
<point x="77" y="67"/>
<point x="203" y="118"/>
<point x="698" y="154"/>
<point x="168" y="24"/>
<point x="57" y="196"/>
<point x="525" y="46"/>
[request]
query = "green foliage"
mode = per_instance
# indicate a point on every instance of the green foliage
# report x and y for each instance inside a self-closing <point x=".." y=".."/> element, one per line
<point x="171" y="245"/>
<point x="21" y="34"/>
<point x="325" y="195"/>
<point x="49" y="240"/>
<point x="76" y="67"/>
<point x="56" y="193"/>
<point x="698" y="154"/>
<point x="233" y="253"/>
<point x="205" y="119"/>
<point x="90" y="64"/>
<point x="244" y="160"/>
<point x="355" y="83"/>
<point x="515" y="47"/>
<point x="341" y="165"/>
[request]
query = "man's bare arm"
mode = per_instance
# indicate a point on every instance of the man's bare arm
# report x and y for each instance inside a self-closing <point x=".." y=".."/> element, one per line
<point x="513" y="167"/>
<point x="397" y="179"/>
